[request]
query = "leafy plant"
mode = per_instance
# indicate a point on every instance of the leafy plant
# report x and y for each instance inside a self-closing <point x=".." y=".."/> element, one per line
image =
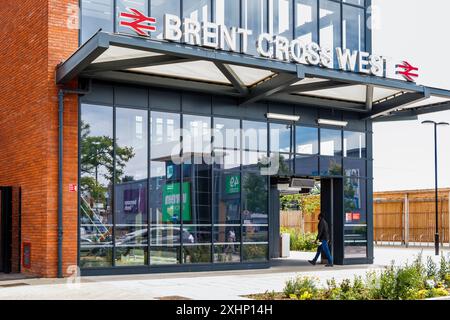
<point x="432" y="270"/>
<point x="301" y="241"/>
<point x="301" y="287"/>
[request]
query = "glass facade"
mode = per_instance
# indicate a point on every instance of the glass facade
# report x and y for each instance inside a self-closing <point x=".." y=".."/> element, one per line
<point x="331" y="23"/>
<point x="160" y="187"/>
<point x="167" y="188"/>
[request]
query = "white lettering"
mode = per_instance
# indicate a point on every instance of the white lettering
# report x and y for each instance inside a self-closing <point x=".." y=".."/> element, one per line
<point x="326" y="58"/>
<point x="281" y="48"/>
<point x="244" y="36"/>
<point x="363" y="62"/>
<point x="210" y="35"/>
<point x="376" y="63"/>
<point x="264" y="45"/>
<point x="312" y="54"/>
<point x="172" y="27"/>
<point x="227" y="38"/>
<point x="346" y="59"/>
<point x="297" y="50"/>
<point x="192" y="32"/>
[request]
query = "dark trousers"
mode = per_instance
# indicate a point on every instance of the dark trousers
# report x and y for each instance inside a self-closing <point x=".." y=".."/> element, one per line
<point x="326" y="250"/>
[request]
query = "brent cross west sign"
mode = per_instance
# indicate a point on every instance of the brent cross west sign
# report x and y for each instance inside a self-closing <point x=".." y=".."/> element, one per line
<point x="217" y="36"/>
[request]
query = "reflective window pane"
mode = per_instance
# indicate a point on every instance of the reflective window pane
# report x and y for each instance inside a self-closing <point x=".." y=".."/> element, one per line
<point x="307" y="165"/>
<point x="198" y="10"/>
<point x="254" y="201"/>
<point x="96" y="166"/>
<point x="254" y="135"/>
<point x="306" y="24"/>
<point x="131" y="186"/>
<point x="355" y="242"/>
<point x="256" y="233"/>
<point x="280" y="138"/>
<point x="281" y="164"/>
<point x="282" y="18"/>
<point x="227" y="12"/>
<point x="355" y="201"/>
<point x="330" y="142"/>
<point x="307" y="140"/>
<point x="227" y="253"/>
<point x="196" y="254"/>
<point x="165" y="191"/>
<point x="331" y="166"/>
<point x="227" y="197"/>
<point x="255" y="19"/>
<point x="357" y="2"/>
<point x="330" y="25"/>
<point x="353" y="25"/>
<point x="255" y="252"/>
<point x="95" y="15"/>
<point x="158" y="9"/>
<point x="354" y="167"/>
<point x="227" y="133"/>
<point x="164" y="255"/>
<point x="354" y="144"/>
<point x="197" y="176"/>
<point x="95" y="257"/>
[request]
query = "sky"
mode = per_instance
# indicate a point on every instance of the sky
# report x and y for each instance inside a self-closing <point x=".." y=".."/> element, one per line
<point x="414" y="30"/>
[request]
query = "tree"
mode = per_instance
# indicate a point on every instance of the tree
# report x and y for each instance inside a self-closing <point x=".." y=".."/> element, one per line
<point x="98" y="152"/>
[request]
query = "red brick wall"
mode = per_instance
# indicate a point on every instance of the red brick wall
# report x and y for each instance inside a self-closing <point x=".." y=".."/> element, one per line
<point x="36" y="37"/>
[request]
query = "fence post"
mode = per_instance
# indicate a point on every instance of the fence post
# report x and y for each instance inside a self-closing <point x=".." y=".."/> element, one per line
<point x="448" y="211"/>
<point x="406" y="226"/>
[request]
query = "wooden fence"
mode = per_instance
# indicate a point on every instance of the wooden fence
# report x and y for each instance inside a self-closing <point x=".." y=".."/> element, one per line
<point x="409" y="217"/>
<point x="299" y="221"/>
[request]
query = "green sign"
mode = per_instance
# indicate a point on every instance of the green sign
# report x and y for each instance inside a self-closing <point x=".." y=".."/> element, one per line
<point x="233" y="184"/>
<point x="171" y="202"/>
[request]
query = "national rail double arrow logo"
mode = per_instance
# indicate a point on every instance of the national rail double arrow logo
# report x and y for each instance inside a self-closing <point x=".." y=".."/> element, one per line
<point x="407" y="71"/>
<point x="141" y="23"/>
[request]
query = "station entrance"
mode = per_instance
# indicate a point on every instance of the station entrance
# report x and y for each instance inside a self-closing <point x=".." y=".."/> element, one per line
<point x="331" y="207"/>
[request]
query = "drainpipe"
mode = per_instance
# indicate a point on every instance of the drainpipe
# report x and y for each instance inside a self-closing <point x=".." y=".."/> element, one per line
<point x="60" y="179"/>
<point x="61" y="94"/>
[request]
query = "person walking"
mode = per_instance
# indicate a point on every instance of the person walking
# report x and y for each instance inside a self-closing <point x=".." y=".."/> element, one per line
<point x="324" y="237"/>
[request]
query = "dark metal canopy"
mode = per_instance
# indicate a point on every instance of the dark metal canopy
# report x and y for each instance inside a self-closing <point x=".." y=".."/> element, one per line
<point x="137" y="60"/>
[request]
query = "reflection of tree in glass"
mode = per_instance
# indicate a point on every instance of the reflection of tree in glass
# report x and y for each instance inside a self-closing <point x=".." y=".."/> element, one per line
<point x="283" y="168"/>
<point x="254" y="187"/>
<point x="98" y="152"/>
<point x="349" y="195"/>
<point x="335" y="168"/>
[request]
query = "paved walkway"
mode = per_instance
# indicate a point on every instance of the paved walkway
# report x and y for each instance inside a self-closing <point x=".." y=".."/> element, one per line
<point x="230" y="285"/>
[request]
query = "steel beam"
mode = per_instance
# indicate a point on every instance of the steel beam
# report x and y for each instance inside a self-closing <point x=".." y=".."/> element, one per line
<point x="314" y="86"/>
<point x="398" y="102"/>
<point x="369" y="97"/>
<point x="232" y="77"/>
<point x="269" y="87"/>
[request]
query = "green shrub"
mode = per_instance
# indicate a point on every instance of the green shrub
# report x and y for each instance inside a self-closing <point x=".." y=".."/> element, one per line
<point x="444" y="268"/>
<point x="432" y="270"/>
<point x="388" y="284"/>
<point x="301" y="287"/>
<point x="409" y="281"/>
<point x="301" y="241"/>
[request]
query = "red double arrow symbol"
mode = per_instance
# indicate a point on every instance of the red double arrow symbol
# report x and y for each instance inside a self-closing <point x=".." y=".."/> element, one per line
<point x="407" y="71"/>
<point x="141" y="22"/>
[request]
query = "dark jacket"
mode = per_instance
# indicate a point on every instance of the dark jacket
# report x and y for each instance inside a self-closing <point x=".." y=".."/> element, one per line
<point x="324" y="233"/>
